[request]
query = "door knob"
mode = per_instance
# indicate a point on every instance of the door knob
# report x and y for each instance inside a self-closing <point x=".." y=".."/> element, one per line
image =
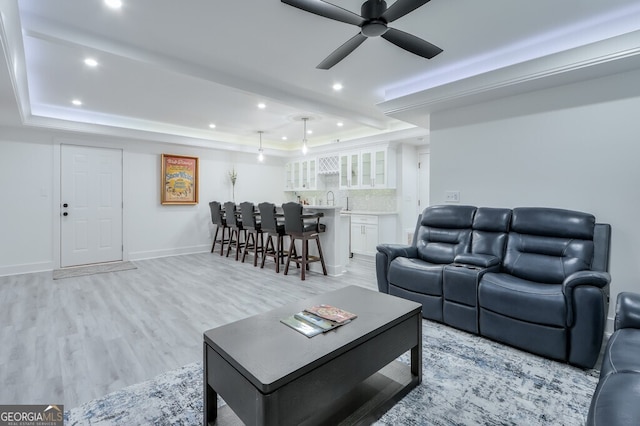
<point x="65" y="214"/>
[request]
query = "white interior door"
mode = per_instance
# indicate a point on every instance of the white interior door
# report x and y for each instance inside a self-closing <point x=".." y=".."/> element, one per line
<point x="90" y="205"/>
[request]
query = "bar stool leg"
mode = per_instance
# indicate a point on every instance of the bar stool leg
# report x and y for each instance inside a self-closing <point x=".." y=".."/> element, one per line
<point x="324" y="268"/>
<point x="215" y="236"/>
<point x="305" y="253"/>
<point x="292" y="250"/>
<point x="231" y="233"/>
<point x="228" y="230"/>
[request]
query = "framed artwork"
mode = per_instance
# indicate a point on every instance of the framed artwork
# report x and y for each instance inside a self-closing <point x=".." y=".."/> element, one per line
<point x="179" y="179"/>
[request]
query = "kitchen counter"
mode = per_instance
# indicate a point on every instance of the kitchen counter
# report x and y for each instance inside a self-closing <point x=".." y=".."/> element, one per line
<point x="335" y="247"/>
<point x="365" y="212"/>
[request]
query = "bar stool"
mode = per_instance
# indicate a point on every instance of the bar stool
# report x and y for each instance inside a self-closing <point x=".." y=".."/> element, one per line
<point x="297" y="229"/>
<point x="217" y="217"/>
<point x="273" y="229"/>
<point x="236" y="229"/>
<point x="253" y="232"/>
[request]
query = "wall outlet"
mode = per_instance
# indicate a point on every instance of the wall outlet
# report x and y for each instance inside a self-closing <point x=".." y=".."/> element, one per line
<point x="452" y="196"/>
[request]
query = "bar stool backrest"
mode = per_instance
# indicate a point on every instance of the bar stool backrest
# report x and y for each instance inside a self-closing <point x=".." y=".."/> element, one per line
<point x="268" y="216"/>
<point x="230" y="210"/>
<point x="247" y="210"/>
<point x="216" y="214"/>
<point x="292" y="217"/>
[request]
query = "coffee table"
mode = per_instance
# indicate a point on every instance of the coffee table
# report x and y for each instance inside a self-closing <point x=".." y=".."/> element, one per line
<point x="270" y="374"/>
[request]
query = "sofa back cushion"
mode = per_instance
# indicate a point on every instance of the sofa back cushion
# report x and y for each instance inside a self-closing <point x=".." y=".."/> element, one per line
<point x="444" y="232"/>
<point x="546" y="245"/>
<point x="490" y="230"/>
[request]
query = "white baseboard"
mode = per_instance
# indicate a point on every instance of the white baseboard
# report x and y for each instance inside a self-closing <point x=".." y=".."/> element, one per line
<point x="27" y="268"/>
<point x="152" y="254"/>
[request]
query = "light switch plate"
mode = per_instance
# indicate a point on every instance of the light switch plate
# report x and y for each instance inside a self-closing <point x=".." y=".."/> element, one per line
<point x="452" y="196"/>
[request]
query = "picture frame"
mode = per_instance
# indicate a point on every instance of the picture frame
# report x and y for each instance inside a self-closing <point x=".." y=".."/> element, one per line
<point x="179" y="179"/>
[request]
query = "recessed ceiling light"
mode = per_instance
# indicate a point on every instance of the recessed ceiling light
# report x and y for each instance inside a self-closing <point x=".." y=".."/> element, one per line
<point x="76" y="102"/>
<point x="337" y="87"/>
<point x="284" y="138"/>
<point x="262" y="105"/>
<point x="212" y="126"/>
<point x="340" y="124"/>
<point x="90" y="62"/>
<point x="113" y="4"/>
<point x="309" y="132"/>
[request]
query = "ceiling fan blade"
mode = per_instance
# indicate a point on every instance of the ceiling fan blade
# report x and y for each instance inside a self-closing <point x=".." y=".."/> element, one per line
<point x="341" y="52"/>
<point x="411" y="43"/>
<point x="327" y="10"/>
<point x="401" y="8"/>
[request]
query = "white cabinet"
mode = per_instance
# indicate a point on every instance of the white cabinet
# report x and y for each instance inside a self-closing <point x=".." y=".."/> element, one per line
<point x="369" y="230"/>
<point x="364" y="234"/>
<point x="301" y="174"/>
<point x="375" y="168"/>
<point x="368" y="168"/>
<point x="349" y="170"/>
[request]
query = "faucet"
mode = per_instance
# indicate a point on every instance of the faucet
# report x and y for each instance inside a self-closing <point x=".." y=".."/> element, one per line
<point x="333" y="198"/>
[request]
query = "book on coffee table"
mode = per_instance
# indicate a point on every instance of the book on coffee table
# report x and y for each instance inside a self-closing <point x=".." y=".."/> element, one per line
<point x="331" y="313"/>
<point x="315" y="320"/>
<point x="302" y="326"/>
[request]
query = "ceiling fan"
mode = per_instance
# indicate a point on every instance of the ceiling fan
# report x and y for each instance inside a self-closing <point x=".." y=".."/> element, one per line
<point x="373" y="19"/>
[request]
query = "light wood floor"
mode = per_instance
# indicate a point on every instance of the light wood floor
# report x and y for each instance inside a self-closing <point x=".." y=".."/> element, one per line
<point x="72" y="340"/>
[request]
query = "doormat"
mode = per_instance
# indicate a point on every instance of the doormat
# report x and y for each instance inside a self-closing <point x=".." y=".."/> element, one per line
<point x="100" y="268"/>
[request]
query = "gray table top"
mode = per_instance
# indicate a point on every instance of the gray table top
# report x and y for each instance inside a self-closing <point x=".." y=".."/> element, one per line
<point x="271" y="354"/>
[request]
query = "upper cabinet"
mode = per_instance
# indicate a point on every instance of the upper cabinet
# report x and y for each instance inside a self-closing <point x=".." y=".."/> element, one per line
<point x="301" y="174"/>
<point x="367" y="168"/>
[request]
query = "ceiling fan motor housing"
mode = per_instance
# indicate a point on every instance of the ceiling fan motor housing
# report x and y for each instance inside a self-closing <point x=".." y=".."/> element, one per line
<point x="373" y="9"/>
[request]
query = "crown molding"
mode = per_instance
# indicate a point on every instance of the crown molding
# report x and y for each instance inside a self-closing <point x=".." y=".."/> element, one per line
<point x="611" y="56"/>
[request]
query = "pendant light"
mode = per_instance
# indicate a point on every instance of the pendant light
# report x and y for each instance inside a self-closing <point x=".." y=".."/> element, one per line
<point x="305" y="149"/>
<point x="260" y="151"/>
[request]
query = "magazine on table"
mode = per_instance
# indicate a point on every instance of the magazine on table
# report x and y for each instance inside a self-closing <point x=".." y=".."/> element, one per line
<point x="318" y="319"/>
<point x="331" y="313"/>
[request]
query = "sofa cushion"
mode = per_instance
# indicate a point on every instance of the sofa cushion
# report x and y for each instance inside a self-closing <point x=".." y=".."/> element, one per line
<point x="416" y="275"/>
<point x="547" y="245"/>
<point x="490" y="226"/>
<point x="546" y="259"/>
<point x="615" y="401"/>
<point x="622" y="352"/>
<point x="444" y="232"/>
<point x="553" y="222"/>
<point x="522" y="299"/>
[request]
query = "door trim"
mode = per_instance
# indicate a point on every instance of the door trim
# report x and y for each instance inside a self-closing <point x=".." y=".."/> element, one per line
<point x="57" y="203"/>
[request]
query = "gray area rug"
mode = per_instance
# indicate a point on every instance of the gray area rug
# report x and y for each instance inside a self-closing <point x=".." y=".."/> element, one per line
<point x="101" y="268"/>
<point x="467" y="380"/>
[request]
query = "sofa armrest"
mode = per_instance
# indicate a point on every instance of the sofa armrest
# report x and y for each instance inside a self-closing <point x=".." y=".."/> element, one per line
<point x="596" y="279"/>
<point x="593" y="278"/>
<point x="397" y="250"/>
<point x="475" y="259"/>
<point x="627" y="310"/>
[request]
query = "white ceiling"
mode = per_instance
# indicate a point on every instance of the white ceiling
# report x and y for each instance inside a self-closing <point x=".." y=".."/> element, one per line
<point x="171" y="68"/>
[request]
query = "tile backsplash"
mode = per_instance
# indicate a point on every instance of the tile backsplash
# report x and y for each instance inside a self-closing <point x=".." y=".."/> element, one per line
<point x="379" y="200"/>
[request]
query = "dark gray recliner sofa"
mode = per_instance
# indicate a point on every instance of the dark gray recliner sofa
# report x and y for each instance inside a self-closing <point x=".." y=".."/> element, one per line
<point x="534" y="278"/>
<point x="615" y="401"/>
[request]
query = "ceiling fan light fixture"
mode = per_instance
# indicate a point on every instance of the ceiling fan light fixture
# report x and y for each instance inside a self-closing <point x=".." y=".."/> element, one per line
<point x="305" y="148"/>
<point x="260" y="150"/>
<point x="374" y="28"/>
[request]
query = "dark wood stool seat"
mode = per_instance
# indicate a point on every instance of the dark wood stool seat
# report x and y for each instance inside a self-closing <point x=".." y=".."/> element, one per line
<point x="218" y="219"/>
<point x="297" y="229"/>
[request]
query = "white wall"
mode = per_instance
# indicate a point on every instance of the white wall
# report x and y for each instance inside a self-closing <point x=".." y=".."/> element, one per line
<point x="575" y="147"/>
<point x="30" y="216"/>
